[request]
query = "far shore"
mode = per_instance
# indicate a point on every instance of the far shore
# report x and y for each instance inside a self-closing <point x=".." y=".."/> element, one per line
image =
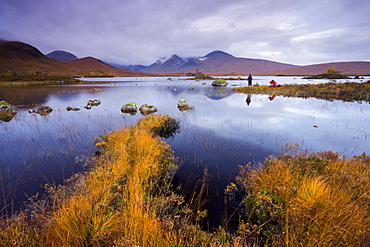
<point x="349" y="91"/>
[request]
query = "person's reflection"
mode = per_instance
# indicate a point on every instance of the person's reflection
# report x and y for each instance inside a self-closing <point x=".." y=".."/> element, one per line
<point x="272" y="97"/>
<point x="249" y="99"/>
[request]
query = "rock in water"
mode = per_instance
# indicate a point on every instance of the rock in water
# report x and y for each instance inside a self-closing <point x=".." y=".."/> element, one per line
<point x="69" y="108"/>
<point x="130" y="108"/>
<point x="183" y="105"/>
<point x="7" y="111"/>
<point x="147" y="109"/>
<point x="42" y="110"/>
<point x="219" y="83"/>
<point x="91" y="103"/>
<point x="94" y="102"/>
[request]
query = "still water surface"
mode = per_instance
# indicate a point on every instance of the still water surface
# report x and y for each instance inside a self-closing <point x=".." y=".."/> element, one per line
<point x="220" y="133"/>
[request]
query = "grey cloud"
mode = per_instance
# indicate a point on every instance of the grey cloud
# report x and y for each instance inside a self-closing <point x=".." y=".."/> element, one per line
<point x="141" y="31"/>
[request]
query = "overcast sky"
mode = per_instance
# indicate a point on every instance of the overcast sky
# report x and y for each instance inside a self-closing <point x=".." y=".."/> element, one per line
<point x="126" y="32"/>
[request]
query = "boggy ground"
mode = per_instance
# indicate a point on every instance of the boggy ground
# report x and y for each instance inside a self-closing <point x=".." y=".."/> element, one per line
<point x="350" y="91"/>
<point x="126" y="199"/>
<point x="36" y="80"/>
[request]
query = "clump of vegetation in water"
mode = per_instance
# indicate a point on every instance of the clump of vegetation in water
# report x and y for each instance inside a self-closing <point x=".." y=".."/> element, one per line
<point x="318" y="199"/>
<point x="349" y="91"/>
<point x="163" y="126"/>
<point x="331" y="73"/>
<point x="199" y="76"/>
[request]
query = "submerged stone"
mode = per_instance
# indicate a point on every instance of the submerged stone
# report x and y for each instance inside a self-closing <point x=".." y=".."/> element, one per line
<point x="69" y="108"/>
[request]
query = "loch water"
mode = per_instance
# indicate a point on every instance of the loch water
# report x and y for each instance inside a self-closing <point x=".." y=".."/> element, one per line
<point x="220" y="133"/>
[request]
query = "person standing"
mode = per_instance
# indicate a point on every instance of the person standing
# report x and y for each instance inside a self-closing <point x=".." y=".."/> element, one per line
<point x="250" y="80"/>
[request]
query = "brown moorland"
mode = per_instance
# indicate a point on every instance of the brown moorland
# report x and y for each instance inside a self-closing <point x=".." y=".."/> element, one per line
<point x="351" y="68"/>
<point x="22" y="58"/>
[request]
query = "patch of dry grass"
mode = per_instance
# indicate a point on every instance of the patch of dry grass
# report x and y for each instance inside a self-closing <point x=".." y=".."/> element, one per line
<point x="310" y="200"/>
<point x="122" y="201"/>
<point x="351" y="91"/>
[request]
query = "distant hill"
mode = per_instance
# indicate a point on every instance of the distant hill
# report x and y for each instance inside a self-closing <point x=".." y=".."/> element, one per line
<point x="90" y="64"/>
<point x="21" y="58"/>
<point x="62" y="56"/>
<point x="216" y="62"/>
<point x="351" y="68"/>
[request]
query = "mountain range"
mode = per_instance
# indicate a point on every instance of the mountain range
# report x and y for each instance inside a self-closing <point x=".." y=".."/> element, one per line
<point x="21" y="58"/>
<point x="219" y="62"/>
<point x="216" y="62"/>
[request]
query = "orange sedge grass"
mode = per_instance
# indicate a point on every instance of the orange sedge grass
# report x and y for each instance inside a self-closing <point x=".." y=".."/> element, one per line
<point x="349" y="91"/>
<point x="116" y="202"/>
<point x="318" y="199"/>
<point x="112" y="206"/>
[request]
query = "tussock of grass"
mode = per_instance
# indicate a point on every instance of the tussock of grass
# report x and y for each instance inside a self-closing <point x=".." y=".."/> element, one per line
<point x="122" y="199"/>
<point x="351" y="91"/>
<point x="300" y="199"/>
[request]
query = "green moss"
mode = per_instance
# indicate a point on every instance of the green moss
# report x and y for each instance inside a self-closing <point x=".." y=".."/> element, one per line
<point x="131" y="104"/>
<point x="5" y="103"/>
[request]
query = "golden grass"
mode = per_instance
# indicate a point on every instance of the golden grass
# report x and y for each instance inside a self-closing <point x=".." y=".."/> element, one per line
<point x="311" y="200"/>
<point x="342" y="91"/>
<point x="114" y="204"/>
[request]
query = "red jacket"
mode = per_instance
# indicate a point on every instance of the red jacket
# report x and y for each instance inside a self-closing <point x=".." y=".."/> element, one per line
<point x="273" y="83"/>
